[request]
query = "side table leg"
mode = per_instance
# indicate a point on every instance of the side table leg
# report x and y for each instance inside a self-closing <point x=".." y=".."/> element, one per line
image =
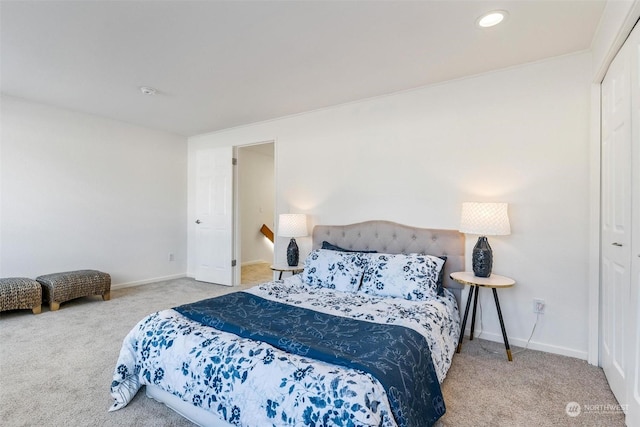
<point x="464" y="319"/>
<point x="504" y="332"/>
<point x="473" y="316"/>
<point x="280" y="276"/>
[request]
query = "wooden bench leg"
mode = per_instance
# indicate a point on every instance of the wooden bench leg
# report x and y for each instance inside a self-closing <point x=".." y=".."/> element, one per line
<point x="54" y="306"/>
<point x="106" y="296"/>
<point x="37" y="309"/>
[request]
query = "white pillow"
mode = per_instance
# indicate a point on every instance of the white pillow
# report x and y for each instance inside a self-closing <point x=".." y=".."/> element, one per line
<point x="341" y="271"/>
<point x="411" y="276"/>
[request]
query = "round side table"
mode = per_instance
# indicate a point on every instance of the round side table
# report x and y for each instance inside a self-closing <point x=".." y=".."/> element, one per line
<point x="494" y="282"/>
<point x="285" y="267"/>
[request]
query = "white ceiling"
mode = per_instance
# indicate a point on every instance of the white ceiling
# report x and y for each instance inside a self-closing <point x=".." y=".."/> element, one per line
<point x="219" y="64"/>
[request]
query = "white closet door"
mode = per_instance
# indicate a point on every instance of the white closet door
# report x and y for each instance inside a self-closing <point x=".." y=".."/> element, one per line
<point x="616" y="222"/>
<point x="633" y="343"/>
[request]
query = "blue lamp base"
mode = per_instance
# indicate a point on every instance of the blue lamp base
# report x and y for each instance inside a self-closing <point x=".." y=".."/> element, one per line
<point x="482" y="258"/>
<point x="293" y="255"/>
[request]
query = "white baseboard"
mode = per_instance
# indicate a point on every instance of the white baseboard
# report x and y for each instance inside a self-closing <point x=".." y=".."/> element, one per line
<point x="533" y="345"/>
<point x="147" y="281"/>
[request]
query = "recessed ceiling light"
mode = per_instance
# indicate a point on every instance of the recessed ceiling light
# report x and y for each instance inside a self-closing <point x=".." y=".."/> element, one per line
<point x="147" y="90"/>
<point x="492" y="18"/>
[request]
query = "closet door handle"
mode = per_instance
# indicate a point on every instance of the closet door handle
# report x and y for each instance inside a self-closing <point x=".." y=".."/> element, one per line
<point x="617" y="244"/>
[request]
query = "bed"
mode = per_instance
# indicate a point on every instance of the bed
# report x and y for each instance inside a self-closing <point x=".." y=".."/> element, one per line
<point x="363" y="336"/>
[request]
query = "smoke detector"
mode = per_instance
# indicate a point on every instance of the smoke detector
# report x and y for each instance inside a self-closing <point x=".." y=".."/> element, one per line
<point x="147" y="90"/>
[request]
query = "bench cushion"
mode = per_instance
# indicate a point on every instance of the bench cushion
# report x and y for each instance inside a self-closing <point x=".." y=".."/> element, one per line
<point x="18" y="293"/>
<point x="61" y="287"/>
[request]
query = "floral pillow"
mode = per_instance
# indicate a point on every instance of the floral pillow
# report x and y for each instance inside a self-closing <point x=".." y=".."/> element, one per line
<point x="412" y="276"/>
<point x="341" y="271"/>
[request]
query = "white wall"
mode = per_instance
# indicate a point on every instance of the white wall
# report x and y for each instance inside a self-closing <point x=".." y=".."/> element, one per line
<point x="80" y="191"/>
<point x="519" y="135"/>
<point x="256" y="202"/>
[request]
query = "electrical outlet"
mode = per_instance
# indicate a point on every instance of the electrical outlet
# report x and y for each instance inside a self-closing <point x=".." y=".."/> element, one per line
<point x="171" y="257"/>
<point x="538" y="306"/>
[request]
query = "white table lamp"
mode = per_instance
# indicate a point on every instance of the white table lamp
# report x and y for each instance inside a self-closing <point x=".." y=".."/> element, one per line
<point x="292" y="225"/>
<point x="485" y="219"/>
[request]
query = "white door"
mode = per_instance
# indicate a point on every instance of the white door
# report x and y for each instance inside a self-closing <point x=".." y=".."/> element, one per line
<point x="633" y="355"/>
<point x="616" y="217"/>
<point x="214" y="215"/>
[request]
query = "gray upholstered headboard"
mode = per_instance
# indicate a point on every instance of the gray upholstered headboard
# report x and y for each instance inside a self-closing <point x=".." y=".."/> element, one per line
<point x="392" y="238"/>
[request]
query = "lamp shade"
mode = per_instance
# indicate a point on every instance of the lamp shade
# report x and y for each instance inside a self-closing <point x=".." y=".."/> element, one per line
<point x="292" y="225"/>
<point x="486" y="219"/>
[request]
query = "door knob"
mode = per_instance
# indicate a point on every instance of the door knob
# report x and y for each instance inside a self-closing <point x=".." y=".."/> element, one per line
<point x="616" y="244"/>
<point x="198" y="221"/>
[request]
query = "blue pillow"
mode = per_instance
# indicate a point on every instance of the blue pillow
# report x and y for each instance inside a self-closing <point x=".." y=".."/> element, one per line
<point x="332" y="247"/>
<point x="440" y="282"/>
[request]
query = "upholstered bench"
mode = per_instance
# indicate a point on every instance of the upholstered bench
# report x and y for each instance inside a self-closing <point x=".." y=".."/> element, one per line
<point x="60" y="287"/>
<point x="18" y="293"/>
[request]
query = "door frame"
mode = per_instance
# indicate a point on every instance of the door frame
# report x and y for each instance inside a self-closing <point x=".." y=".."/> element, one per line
<point x="237" y="229"/>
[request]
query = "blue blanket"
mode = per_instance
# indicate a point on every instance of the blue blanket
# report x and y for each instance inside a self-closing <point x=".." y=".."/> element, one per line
<point x="396" y="356"/>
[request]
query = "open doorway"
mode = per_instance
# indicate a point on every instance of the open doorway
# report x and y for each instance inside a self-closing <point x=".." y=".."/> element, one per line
<point x="255" y="212"/>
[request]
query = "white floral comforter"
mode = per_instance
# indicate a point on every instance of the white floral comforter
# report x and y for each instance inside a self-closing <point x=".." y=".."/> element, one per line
<point x="251" y="383"/>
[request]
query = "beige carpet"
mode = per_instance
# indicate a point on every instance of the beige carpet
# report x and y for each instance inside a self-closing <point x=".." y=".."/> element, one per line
<point x="56" y="368"/>
<point x="483" y="389"/>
